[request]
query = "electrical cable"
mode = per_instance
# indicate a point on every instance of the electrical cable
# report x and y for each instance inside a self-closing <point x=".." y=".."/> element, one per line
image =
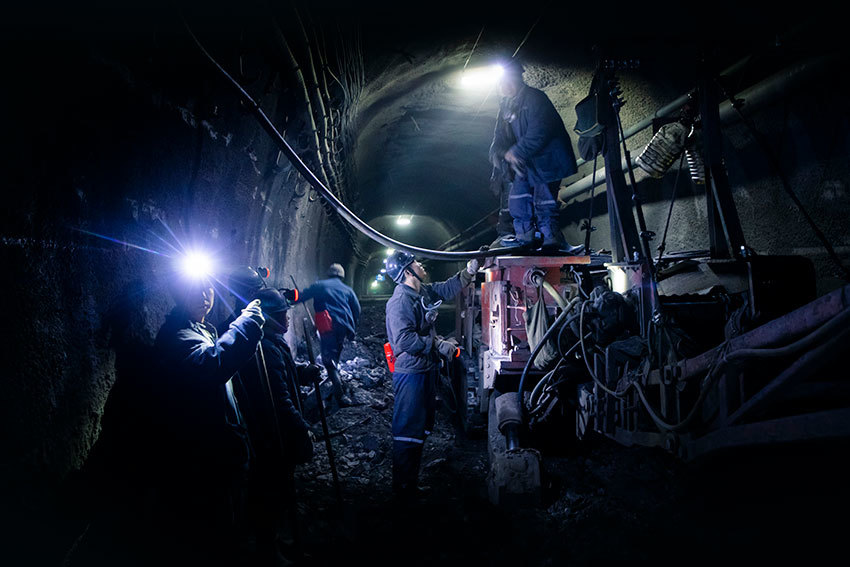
<point x="334" y="202"/>
<point x="663" y="245"/>
<point x="837" y="322"/>
<point x="589" y="227"/>
<point x="546" y="336"/>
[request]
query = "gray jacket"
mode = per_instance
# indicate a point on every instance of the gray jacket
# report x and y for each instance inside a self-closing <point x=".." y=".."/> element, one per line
<point x="411" y="336"/>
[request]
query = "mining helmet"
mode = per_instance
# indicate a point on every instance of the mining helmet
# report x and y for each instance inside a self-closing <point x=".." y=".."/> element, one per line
<point x="245" y="281"/>
<point x="512" y="67"/>
<point x="272" y="301"/>
<point x="396" y="263"/>
<point x="336" y="270"/>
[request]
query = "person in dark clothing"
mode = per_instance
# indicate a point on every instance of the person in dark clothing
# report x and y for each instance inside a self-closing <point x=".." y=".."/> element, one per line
<point x="411" y="314"/>
<point x="337" y="315"/>
<point x="205" y="444"/>
<point x="530" y="139"/>
<point x="280" y="437"/>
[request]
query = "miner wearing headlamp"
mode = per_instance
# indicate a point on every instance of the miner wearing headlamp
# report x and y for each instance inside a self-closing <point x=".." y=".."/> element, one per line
<point x="411" y="316"/>
<point x="280" y="437"/>
<point x="531" y="144"/>
<point x="205" y="441"/>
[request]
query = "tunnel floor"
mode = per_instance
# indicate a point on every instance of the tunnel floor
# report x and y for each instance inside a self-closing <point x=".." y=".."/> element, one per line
<point x="602" y="503"/>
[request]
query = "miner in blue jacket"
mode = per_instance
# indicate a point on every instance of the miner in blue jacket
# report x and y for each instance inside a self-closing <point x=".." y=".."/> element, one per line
<point x="411" y="314"/>
<point x="337" y="314"/>
<point x="204" y="442"/>
<point x="537" y="148"/>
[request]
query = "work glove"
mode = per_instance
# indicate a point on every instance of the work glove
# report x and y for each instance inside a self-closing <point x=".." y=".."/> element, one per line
<point x="472" y="266"/>
<point x="253" y="311"/>
<point x="448" y="348"/>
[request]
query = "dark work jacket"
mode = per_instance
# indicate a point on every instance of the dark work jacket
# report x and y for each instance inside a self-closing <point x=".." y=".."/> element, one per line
<point x="409" y="333"/>
<point x="202" y="426"/>
<point x="339" y="299"/>
<point x="259" y="414"/>
<point x="540" y="138"/>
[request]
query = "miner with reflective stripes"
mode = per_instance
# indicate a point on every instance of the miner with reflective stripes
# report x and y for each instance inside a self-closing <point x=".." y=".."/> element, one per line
<point x="411" y="315"/>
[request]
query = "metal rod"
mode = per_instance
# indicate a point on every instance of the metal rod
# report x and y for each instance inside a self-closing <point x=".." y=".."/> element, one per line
<point x="320" y="403"/>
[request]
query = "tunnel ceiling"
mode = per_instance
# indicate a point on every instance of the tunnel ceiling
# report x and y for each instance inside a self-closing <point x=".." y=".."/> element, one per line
<point x="417" y="141"/>
<point x="422" y="139"/>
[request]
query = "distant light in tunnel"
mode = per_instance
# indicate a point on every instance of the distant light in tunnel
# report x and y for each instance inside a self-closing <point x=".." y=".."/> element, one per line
<point x="383" y="270"/>
<point x="390" y="251"/>
<point x="374" y="284"/>
<point x="403" y="221"/>
<point x="481" y="77"/>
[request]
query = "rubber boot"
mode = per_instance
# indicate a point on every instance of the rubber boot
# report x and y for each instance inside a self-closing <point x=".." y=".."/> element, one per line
<point x="340" y="393"/>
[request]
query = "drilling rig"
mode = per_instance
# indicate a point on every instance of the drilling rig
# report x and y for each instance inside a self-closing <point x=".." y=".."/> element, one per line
<point x="693" y="352"/>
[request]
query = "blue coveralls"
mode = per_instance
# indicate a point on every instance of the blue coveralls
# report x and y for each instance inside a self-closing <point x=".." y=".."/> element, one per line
<point x="543" y="145"/>
<point x="413" y="341"/>
<point x="344" y="308"/>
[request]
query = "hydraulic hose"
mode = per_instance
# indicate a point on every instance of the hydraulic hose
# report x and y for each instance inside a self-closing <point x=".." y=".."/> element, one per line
<point x="562" y="303"/>
<point x="332" y="199"/>
<point x="546" y="336"/>
<point x="837" y="324"/>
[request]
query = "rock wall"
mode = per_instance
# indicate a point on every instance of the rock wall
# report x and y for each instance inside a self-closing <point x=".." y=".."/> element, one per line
<point x="125" y="150"/>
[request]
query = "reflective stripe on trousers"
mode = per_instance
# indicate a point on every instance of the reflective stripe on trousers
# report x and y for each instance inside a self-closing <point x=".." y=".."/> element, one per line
<point x="414" y="410"/>
<point x="528" y="202"/>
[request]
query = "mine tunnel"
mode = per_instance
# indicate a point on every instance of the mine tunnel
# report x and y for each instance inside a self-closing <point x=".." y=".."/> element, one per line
<point x="683" y="398"/>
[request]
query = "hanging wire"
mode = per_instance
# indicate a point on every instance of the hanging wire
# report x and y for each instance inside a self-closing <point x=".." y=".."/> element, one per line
<point x="474" y="45"/>
<point x="663" y="244"/>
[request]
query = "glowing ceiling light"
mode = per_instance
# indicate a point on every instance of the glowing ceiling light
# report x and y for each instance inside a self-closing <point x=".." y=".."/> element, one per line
<point x="403" y="221"/>
<point x="383" y="270"/>
<point x="481" y="77"/>
<point x="390" y="251"/>
<point x="196" y="265"/>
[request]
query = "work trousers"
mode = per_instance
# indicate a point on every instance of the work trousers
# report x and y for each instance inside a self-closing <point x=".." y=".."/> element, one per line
<point x="529" y="203"/>
<point x="331" y="345"/>
<point x="414" y="410"/>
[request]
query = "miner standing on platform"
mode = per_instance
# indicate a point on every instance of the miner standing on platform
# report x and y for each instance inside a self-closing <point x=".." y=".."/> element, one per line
<point x="531" y="143"/>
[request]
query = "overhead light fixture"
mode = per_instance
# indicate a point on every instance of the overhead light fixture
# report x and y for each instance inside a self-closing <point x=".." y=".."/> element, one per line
<point x="403" y="221"/>
<point x="481" y="77"/>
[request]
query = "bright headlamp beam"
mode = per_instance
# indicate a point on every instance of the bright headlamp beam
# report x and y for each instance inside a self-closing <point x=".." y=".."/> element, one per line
<point x="481" y="77"/>
<point x="196" y="265"/>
